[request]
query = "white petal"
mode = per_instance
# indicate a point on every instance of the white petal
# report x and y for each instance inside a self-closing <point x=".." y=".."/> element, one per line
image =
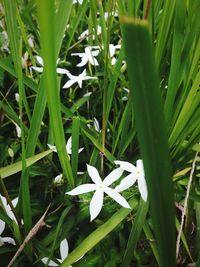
<point x="38" y="69"/>
<point x="9" y="240"/>
<point x="96" y="204"/>
<point x="126" y="165"/>
<point x="64" y="249"/>
<point x="18" y="130"/>
<point x="61" y="71"/>
<point x="69" y="145"/>
<point x="51" y="263"/>
<point x="140" y="166"/>
<point x="2" y="226"/>
<point x="142" y="186"/>
<point x="83" y="74"/>
<point x="80" y="149"/>
<point x="117" y="197"/>
<point x="15" y="201"/>
<point x="113" y="176"/>
<point x="39" y="60"/>
<point x="81" y="189"/>
<point x="83" y="62"/>
<point x="94" y="174"/>
<point x="127" y="182"/>
<point x="95" y="53"/>
<point x="93" y="61"/>
<point x="111" y="50"/>
<point x="71" y="77"/>
<point x="69" y="83"/>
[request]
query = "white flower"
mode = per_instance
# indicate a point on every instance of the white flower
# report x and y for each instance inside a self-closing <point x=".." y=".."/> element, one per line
<point x="88" y="56"/>
<point x="17" y="97"/>
<point x="41" y="63"/>
<point x="18" y="130"/>
<point x="100" y="187"/>
<point x="31" y="41"/>
<point x="5" y="239"/>
<point x="68" y="147"/>
<point x="5" y="42"/>
<point x="77" y="79"/>
<point x="58" y="180"/>
<point x="106" y="14"/>
<point x="86" y="33"/>
<point x="10" y="152"/>
<point x="136" y="173"/>
<point x="7" y="207"/>
<point x="64" y="249"/>
<point x="96" y="125"/>
<point x="78" y="1"/>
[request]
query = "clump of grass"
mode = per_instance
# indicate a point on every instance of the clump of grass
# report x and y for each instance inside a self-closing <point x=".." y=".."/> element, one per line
<point x="88" y="89"/>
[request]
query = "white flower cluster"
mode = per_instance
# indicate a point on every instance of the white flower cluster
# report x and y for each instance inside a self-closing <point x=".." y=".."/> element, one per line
<point x="100" y="187"/>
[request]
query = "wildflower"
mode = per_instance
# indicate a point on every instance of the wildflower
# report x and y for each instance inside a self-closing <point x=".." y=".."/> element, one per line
<point x="77" y="79"/>
<point x="17" y="97"/>
<point x="64" y="248"/>
<point x="31" y="41"/>
<point x="18" y="130"/>
<point x="4" y="240"/>
<point x="100" y="187"/>
<point x="86" y="33"/>
<point x="78" y="1"/>
<point x="4" y="42"/>
<point x="68" y="147"/>
<point x="7" y="207"/>
<point x="136" y="174"/>
<point x="10" y="152"/>
<point x="106" y="14"/>
<point x="88" y="56"/>
<point x="41" y="63"/>
<point x="58" y="180"/>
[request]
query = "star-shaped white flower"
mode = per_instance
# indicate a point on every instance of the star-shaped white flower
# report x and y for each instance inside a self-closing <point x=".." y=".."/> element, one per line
<point x="100" y="187"/>
<point x="86" y="33"/>
<point x="4" y="240"/>
<point x="41" y="63"/>
<point x="136" y="174"/>
<point x="88" y="56"/>
<point x="64" y="249"/>
<point x="77" y="79"/>
<point x="68" y="147"/>
<point x="7" y="207"/>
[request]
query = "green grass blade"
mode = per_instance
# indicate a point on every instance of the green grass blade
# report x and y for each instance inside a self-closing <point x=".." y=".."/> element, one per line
<point x="17" y="167"/>
<point x="75" y="145"/>
<point x="135" y="232"/>
<point x="62" y="18"/>
<point x="151" y="239"/>
<point x="96" y="236"/>
<point x="164" y="30"/>
<point x="151" y="134"/>
<point x="47" y="34"/>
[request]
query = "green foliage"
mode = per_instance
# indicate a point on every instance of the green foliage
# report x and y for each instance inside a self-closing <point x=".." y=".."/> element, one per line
<point x="144" y="103"/>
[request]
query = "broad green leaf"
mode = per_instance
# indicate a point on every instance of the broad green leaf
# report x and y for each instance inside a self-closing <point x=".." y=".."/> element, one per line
<point x="152" y="134"/>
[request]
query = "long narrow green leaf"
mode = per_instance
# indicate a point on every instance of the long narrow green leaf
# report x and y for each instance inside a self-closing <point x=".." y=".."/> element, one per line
<point x="152" y="134"/>
<point x="46" y="15"/>
<point x="17" y="167"/>
<point x="135" y="232"/>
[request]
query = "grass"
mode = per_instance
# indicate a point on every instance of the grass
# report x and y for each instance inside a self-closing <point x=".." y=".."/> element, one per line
<point x="146" y="105"/>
